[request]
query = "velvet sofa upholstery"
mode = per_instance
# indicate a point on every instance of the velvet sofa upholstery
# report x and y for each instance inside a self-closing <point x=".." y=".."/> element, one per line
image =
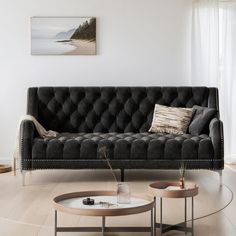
<point x="88" y="118"/>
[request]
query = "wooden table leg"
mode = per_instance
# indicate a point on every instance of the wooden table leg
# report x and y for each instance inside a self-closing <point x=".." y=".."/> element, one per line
<point x="155" y="216"/>
<point x="55" y="223"/>
<point x="160" y="216"/>
<point x="185" y="214"/>
<point x="152" y="222"/>
<point x="103" y="225"/>
<point x="192" y="216"/>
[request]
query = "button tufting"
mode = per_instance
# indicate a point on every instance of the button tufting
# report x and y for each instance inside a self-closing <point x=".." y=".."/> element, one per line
<point x="110" y="109"/>
<point x="130" y="145"/>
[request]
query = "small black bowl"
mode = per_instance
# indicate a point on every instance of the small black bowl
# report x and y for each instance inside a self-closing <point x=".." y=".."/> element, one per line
<point x="88" y="201"/>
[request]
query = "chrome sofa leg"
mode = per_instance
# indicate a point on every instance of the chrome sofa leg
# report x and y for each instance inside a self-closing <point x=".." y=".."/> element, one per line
<point x="220" y="177"/>
<point x="14" y="166"/>
<point x="220" y="173"/>
<point x="23" y="172"/>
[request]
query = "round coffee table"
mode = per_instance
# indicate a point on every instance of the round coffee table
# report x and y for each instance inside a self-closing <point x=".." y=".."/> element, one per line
<point x="164" y="189"/>
<point x="105" y="205"/>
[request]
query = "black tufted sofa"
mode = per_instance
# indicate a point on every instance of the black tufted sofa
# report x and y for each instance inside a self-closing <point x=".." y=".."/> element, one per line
<point x="117" y="117"/>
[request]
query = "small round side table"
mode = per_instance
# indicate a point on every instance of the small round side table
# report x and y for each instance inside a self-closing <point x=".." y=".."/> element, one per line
<point x="164" y="189"/>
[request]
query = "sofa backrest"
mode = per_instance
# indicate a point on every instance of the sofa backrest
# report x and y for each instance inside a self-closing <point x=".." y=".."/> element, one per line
<point x="110" y="109"/>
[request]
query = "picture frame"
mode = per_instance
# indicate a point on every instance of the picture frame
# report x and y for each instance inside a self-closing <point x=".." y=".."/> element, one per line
<point x="63" y="36"/>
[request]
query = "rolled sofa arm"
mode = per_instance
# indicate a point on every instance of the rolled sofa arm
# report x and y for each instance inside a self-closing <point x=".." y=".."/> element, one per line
<point x="217" y="137"/>
<point x="27" y="133"/>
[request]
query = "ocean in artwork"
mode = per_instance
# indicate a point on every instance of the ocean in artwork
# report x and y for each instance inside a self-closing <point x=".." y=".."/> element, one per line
<point x="51" y="46"/>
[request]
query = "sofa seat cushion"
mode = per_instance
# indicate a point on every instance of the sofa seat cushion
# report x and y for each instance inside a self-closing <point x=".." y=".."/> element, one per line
<point x="124" y="146"/>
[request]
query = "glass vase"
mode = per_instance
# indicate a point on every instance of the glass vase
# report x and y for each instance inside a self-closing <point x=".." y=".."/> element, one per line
<point x="123" y="193"/>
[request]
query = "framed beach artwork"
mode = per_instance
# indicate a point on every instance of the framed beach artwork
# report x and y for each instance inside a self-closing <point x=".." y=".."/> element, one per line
<point x="63" y="36"/>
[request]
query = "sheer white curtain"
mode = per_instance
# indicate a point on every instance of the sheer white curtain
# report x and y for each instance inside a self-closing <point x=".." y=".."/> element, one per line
<point x="214" y="59"/>
<point x="227" y="82"/>
<point x="205" y="42"/>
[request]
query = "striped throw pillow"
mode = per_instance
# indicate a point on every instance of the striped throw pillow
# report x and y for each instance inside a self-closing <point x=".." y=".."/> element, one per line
<point x="172" y="120"/>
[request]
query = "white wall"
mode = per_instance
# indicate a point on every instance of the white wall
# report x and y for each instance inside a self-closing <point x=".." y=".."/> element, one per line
<point x="140" y="42"/>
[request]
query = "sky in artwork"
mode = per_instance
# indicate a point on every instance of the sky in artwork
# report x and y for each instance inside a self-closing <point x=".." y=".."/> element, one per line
<point x="43" y="27"/>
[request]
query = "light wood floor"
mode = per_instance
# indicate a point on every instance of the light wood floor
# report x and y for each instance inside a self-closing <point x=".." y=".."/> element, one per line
<point x="28" y="211"/>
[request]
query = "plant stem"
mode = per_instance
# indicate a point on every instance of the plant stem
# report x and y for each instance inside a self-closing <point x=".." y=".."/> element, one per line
<point x="108" y="163"/>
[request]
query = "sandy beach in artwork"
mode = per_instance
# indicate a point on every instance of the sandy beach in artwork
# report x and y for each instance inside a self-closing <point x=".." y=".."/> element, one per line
<point x="83" y="47"/>
<point x="63" y="36"/>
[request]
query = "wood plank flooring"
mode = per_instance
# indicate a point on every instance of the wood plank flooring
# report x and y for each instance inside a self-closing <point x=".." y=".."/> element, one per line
<point x="28" y="210"/>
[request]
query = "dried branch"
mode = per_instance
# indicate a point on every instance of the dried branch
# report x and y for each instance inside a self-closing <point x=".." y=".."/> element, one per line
<point x="103" y="153"/>
<point x="182" y="169"/>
